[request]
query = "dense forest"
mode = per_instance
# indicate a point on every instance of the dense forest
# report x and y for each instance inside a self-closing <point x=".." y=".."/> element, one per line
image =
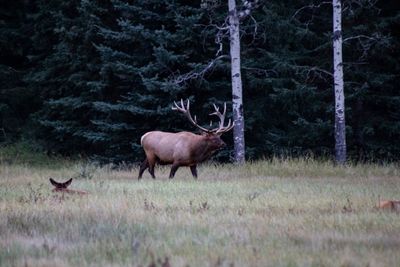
<point x="89" y="77"/>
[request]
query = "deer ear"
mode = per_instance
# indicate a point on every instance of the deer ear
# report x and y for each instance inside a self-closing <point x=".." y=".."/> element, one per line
<point x="54" y="182"/>
<point x="67" y="183"/>
<point x="60" y="185"/>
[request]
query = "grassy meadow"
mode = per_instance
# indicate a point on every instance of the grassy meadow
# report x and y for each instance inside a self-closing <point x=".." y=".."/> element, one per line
<point x="265" y="213"/>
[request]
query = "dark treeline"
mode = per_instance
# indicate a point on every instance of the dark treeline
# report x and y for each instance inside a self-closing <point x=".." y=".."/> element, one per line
<point x="90" y="77"/>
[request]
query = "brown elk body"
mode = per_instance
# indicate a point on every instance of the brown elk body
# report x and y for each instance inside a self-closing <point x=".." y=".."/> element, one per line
<point x="183" y="148"/>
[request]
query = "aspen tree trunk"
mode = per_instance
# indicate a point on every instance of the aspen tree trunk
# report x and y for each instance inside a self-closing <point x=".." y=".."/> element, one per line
<point x="340" y="124"/>
<point x="237" y="98"/>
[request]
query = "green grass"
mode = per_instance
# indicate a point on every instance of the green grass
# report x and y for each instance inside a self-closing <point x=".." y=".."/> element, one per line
<point x="266" y="213"/>
<point x="27" y="153"/>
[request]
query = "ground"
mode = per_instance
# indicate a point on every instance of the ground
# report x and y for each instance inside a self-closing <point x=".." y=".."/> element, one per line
<point x="266" y="213"/>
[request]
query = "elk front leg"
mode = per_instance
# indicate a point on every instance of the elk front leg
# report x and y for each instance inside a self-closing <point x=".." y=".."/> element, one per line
<point x="143" y="167"/>
<point x="194" y="171"/>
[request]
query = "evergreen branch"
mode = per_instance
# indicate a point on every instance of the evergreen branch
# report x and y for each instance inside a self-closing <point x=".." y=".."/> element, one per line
<point x="4" y="133"/>
<point x="266" y="72"/>
<point x="10" y="68"/>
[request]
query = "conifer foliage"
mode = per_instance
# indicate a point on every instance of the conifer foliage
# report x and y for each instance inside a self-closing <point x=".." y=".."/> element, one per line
<point x="89" y="77"/>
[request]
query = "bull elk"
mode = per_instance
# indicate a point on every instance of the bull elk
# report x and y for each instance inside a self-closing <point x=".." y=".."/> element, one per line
<point x="183" y="148"/>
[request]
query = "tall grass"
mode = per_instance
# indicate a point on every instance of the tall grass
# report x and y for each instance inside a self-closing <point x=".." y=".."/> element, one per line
<point x="280" y="212"/>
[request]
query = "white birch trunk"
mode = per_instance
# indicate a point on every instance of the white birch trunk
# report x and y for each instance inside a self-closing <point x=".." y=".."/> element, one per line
<point x="340" y="125"/>
<point x="237" y="98"/>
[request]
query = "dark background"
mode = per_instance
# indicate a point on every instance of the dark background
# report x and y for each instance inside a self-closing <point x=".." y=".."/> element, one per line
<point x="90" y="77"/>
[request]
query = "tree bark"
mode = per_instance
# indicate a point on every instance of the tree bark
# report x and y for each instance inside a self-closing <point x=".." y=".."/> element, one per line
<point x="340" y="124"/>
<point x="237" y="97"/>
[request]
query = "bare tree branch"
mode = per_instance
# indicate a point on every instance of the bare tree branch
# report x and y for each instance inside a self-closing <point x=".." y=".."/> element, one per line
<point x="367" y="41"/>
<point x="194" y="74"/>
<point x="351" y="5"/>
<point x="358" y="37"/>
<point x="246" y="9"/>
<point x="222" y="32"/>
<point x="255" y="27"/>
<point x="310" y="7"/>
<point x="312" y="72"/>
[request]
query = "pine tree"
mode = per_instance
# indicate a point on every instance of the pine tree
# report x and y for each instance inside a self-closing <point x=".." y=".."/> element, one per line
<point x="151" y="43"/>
<point x="66" y="74"/>
<point x="286" y="79"/>
<point x="372" y="49"/>
<point x="17" y="100"/>
<point x="105" y="72"/>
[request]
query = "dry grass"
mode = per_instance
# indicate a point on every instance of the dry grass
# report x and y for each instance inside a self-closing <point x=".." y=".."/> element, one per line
<point x="267" y="213"/>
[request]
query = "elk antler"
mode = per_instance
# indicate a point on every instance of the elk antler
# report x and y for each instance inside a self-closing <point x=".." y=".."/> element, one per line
<point x="219" y="130"/>
<point x="186" y="111"/>
<point x="222" y="129"/>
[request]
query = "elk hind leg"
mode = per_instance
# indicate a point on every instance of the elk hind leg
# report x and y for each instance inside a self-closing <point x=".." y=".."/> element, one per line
<point x="174" y="168"/>
<point x="152" y="163"/>
<point x="194" y="171"/>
